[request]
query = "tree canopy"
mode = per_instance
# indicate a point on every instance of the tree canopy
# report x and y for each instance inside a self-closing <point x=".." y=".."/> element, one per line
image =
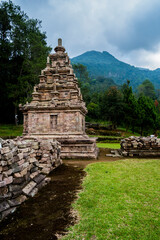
<point x="23" y="51"/>
<point x="147" y="89"/>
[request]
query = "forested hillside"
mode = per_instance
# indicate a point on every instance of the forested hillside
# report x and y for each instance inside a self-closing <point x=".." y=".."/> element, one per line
<point x="119" y="105"/>
<point x="105" y="65"/>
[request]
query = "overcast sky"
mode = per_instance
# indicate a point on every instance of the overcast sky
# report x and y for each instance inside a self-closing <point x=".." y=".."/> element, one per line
<point x="128" y="29"/>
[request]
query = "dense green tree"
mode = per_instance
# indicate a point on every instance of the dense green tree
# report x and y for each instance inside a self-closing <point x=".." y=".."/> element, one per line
<point x="147" y="116"/>
<point x="101" y="84"/>
<point x="83" y="80"/>
<point x="93" y="110"/>
<point x="130" y="106"/>
<point x="113" y="107"/>
<point x="23" y="51"/>
<point x="147" y="89"/>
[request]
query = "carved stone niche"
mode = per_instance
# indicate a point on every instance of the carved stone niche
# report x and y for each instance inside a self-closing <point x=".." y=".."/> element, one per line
<point x="49" y="78"/>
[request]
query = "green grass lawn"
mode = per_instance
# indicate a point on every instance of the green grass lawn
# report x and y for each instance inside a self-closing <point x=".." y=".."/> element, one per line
<point x="108" y="145"/>
<point x="9" y="130"/>
<point x="120" y="200"/>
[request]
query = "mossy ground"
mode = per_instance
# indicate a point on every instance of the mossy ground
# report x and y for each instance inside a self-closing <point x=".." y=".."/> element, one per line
<point x="10" y="130"/>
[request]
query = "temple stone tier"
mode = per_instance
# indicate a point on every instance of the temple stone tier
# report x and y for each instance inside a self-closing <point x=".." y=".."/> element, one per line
<point x="57" y="109"/>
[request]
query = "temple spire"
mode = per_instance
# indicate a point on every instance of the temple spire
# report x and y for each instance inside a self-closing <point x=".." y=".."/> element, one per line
<point x="59" y="48"/>
<point x="59" y="42"/>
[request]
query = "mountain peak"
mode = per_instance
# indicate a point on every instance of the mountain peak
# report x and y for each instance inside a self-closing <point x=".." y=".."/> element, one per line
<point x="94" y="57"/>
<point x="105" y="65"/>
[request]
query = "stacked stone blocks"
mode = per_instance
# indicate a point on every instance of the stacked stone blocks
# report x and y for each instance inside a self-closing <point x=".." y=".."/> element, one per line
<point x="140" y="146"/>
<point x="23" y="168"/>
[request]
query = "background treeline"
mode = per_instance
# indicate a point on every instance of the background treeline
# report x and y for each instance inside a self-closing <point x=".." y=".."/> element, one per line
<point x="138" y="111"/>
<point x="23" y="52"/>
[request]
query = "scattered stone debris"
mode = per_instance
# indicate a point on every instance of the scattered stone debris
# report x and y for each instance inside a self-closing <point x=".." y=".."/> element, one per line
<point x="114" y="153"/>
<point x="24" y="165"/>
<point x="140" y="147"/>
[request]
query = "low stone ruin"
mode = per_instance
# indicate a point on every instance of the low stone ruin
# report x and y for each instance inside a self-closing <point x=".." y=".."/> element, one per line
<point x="140" y="147"/>
<point x="24" y="165"/>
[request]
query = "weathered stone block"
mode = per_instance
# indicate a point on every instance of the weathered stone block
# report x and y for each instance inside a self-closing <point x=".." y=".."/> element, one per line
<point x="4" y="163"/>
<point x="16" y="188"/>
<point x="4" y="206"/>
<point x="27" y="189"/>
<point x="35" y="145"/>
<point x="22" y="144"/>
<point x="125" y="154"/>
<point x="20" y="168"/>
<point x="17" y="201"/>
<point x="34" y="169"/>
<point x="14" y="151"/>
<point x="4" y="150"/>
<point x="11" y="144"/>
<point x="19" y="180"/>
<point x="10" y="161"/>
<point x="3" y="191"/>
<point x="7" y="212"/>
<point x="36" y="163"/>
<point x="6" y="181"/>
<point x="25" y="150"/>
<point x="5" y="197"/>
<point x="33" y="192"/>
<point x="20" y="156"/>
<point x="32" y="160"/>
<point x="19" y="163"/>
<point x="8" y="156"/>
<point x="46" y="170"/>
<point x="42" y="184"/>
<point x="16" y="193"/>
<point x="46" y="155"/>
<point x="2" y="184"/>
<point x="39" y="178"/>
<point x="33" y="175"/>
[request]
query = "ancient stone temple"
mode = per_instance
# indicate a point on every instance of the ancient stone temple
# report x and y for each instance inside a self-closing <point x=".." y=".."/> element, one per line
<point x="57" y="109"/>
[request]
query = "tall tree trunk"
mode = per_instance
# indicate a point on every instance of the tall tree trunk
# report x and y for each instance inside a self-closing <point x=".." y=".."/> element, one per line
<point x="133" y="129"/>
<point x="141" y="130"/>
<point x="15" y="116"/>
<point x="127" y="127"/>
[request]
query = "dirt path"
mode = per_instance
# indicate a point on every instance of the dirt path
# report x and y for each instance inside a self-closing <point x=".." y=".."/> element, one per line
<point x="48" y="214"/>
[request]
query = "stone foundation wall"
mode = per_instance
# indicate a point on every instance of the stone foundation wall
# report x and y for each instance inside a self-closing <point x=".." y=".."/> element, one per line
<point x="55" y="121"/>
<point x="24" y="165"/>
<point x="79" y="148"/>
<point x="141" y="146"/>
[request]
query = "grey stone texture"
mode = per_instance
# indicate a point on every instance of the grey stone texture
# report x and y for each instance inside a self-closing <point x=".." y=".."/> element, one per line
<point x="57" y="109"/>
<point x="23" y="174"/>
<point x="140" y="147"/>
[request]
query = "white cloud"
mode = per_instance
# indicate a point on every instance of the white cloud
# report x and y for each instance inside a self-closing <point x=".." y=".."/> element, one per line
<point x="143" y="58"/>
<point x="127" y="29"/>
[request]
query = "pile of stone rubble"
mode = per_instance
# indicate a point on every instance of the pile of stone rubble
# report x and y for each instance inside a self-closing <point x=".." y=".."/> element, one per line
<point x="24" y="165"/>
<point x="140" y="146"/>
